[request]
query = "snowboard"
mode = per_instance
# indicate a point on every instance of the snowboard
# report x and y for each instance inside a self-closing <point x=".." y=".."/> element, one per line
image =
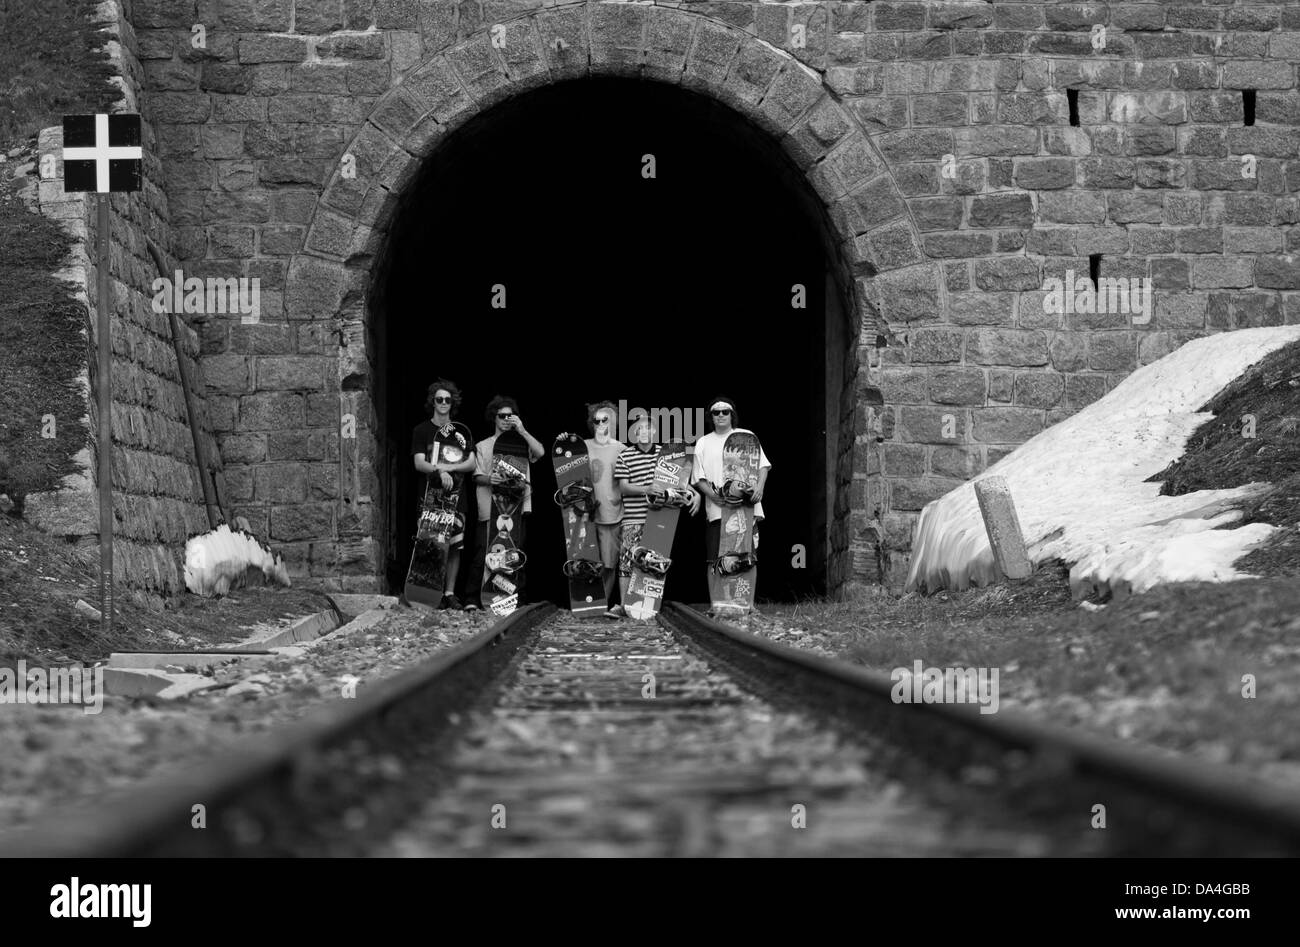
<point x="645" y="590"/>
<point x="577" y="507"/>
<point x="509" y="473"/>
<point x="440" y="521"/>
<point x="733" y="592"/>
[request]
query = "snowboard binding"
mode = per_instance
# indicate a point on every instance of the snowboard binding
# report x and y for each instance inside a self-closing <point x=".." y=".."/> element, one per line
<point x="676" y="498"/>
<point x="737" y="492"/>
<point x="583" y="569"/>
<point x="647" y="560"/>
<point x="505" y="560"/>
<point x="734" y="563"/>
<point x="510" y="490"/>
<point x="578" y="496"/>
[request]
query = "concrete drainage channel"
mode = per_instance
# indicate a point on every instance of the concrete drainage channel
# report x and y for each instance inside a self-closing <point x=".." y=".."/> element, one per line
<point x="174" y="674"/>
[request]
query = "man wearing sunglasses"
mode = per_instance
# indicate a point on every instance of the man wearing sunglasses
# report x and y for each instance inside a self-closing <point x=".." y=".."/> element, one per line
<point x="603" y="451"/>
<point x="503" y="412"/>
<point x="441" y="403"/>
<point x="709" y="475"/>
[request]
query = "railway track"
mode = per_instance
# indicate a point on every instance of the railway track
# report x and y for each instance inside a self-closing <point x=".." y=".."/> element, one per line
<point x="545" y="735"/>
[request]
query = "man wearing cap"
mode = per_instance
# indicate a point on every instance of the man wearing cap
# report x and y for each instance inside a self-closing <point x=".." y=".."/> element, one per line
<point x="708" y="474"/>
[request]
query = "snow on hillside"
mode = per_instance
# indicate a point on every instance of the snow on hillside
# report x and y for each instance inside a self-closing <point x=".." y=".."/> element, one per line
<point x="1080" y="493"/>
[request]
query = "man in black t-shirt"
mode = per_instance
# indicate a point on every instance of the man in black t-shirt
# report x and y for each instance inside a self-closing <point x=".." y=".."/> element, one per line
<point x="443" y="401"/>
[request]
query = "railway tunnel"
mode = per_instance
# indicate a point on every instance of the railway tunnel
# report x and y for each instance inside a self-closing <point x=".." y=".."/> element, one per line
<point x="646" y="241"/>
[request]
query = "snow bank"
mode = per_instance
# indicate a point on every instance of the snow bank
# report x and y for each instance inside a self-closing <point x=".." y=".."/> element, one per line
<point x="220" y="560"/>
<point x="1079" y="491"/>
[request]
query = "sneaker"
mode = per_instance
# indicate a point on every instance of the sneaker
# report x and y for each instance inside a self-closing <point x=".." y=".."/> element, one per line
<point x="443" y="604"/>
<point x="471" y="606"/>
<point x="451" y="601"/>
<point x="616" y="612"/>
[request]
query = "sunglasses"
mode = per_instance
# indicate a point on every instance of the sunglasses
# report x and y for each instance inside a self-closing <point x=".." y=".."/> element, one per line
<point x="504" y="414"/>
<point x="722" y="411"/>
<point x="437" y="400"/>
<point x="602" y="420"/>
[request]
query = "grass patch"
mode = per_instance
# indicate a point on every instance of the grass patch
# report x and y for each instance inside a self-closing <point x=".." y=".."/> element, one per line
<point x="1254" y="437"/>
<point x="1163" y="668"/>
<point x="51" y="63"/>
<point x="42" y="576"/>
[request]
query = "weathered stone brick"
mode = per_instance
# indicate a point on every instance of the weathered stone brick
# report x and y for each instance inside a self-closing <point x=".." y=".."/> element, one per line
<point x="1135" y="207"/>
<point x="262" y="48"/>
<point x="1215" y="272"/>
<point x="910" y="295"/>
<point x="270" y="411"/>
<point x="904" y="385"/>
<point x="1181" y="310"/>
<point x="1112" y="351"/>
<point x="302" y="521"/>
<point x="1011" y="347"/>
<point x="1039" y="389"/>
<point x="314" y="288"/>
<point x="1002" y="210"/>
<point x="960" y="463"/>
<point x="998" y="425"/>
<point x="962" y="386"/>
<point x="891" y="246"/>
<point x="931" y="143"/>
<point x="1071" y="207"/>
<point x="991" y="309"/>
<point x="989" y="140"/>
<point x="936" y="213"/>
<point x="1044" y="173"/>
<point x="1200" y="240"/>
<point x="227" y="373"/>
<point x="903" y="460"/>
<point x="1012" y="273"/>
<point x="959" y="245"/>
<point x="1169" y="274"/>
<point x="1083" y="390"/>
<point x="1277" y="272"/>
<point x="931" y="425"/>
<point x="935" y="346"/>
<point x="294" y="373"/>
<point x="1160" y="172"/>
<point x="1031" y="108"/>
<point x="1259" y="75"/>
<point x="915" y="494"/>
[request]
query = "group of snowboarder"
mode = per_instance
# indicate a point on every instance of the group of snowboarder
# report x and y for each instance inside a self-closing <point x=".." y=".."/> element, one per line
<point x="617" y="493"/>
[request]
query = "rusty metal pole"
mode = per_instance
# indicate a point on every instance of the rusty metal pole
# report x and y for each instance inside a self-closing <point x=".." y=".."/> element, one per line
<point x="105" y="387"/>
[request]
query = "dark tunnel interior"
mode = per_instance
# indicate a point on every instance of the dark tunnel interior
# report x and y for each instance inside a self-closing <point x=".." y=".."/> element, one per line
<point x="654" y="291"/>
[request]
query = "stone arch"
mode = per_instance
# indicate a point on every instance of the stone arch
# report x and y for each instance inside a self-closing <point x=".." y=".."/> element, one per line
<point x="873" y="242"/>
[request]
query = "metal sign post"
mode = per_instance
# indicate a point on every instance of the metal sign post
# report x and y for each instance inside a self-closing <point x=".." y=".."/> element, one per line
<point x="102" y="153"/>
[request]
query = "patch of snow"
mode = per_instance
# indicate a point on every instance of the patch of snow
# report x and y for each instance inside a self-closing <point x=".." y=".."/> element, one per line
<point x="1079" y="486"/>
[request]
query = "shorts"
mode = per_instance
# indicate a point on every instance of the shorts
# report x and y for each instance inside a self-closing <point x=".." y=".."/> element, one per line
<point x="631" y="539"/>
<point x="607" y="541"/>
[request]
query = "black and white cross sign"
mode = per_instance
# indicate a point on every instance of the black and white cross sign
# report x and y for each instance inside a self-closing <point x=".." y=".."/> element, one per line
<point x="102" y="153"/>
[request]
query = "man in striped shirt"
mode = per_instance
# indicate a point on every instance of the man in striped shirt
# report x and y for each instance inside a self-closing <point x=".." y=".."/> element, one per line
<point x="634" y="470"/>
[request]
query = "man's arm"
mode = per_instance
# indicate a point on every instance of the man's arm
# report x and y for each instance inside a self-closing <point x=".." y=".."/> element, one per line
<point x="535" y="449"/>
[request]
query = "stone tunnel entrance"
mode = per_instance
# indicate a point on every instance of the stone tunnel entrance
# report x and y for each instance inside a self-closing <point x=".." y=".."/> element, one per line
<point x="652" y="292"/>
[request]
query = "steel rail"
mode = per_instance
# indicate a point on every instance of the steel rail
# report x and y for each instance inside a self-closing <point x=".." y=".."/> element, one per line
<point x="1215" y="792"/>
<point x="158" y="819"/>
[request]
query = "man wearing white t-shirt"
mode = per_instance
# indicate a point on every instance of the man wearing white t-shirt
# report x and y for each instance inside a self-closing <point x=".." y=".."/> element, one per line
<point x="708" y="474"/>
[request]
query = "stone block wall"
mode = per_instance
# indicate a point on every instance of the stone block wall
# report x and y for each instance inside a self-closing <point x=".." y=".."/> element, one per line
<point x="938" y="135"/>
<point x="158" y="499"/>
